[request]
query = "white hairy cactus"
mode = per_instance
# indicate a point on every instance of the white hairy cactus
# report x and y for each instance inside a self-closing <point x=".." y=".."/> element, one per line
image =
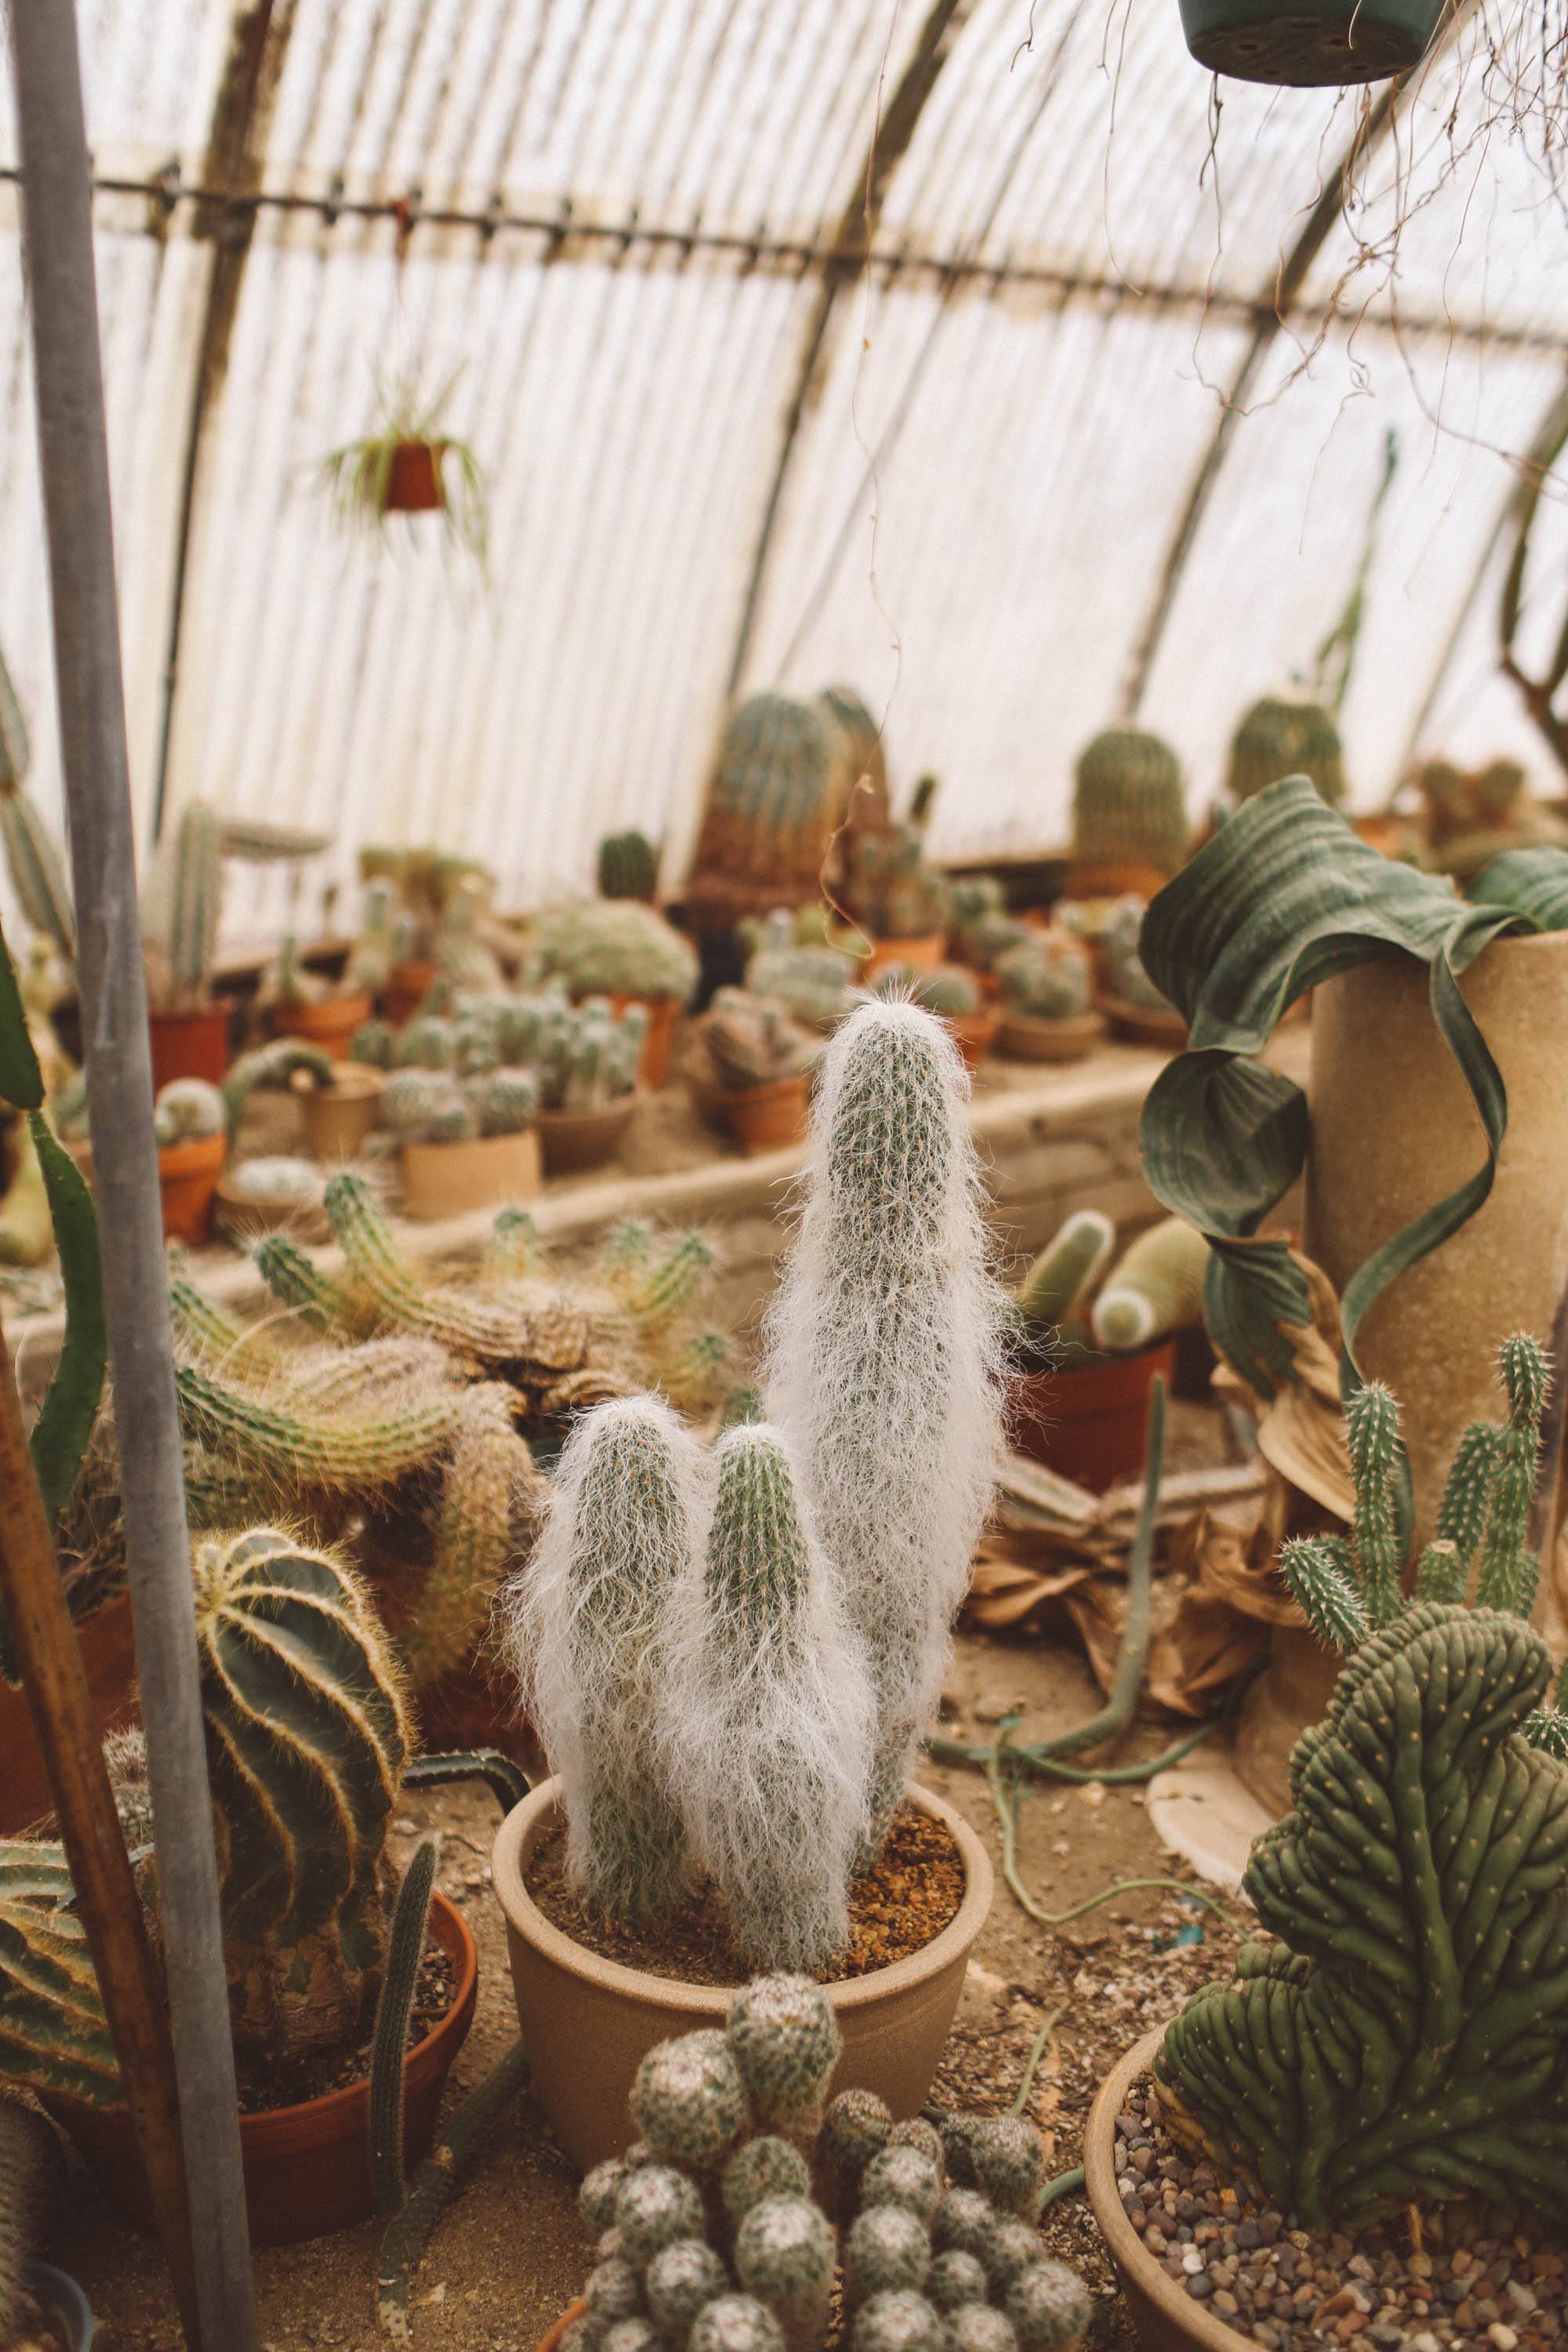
<point x="612" y="2291"/>
<point x="977" y="2327"/>
<point x="904" y="2176"/>
<point x="955" y="2279"/>
<point x="901" y="2321"/>
<point x="736" y="2322"/>
<point x="885" y="1356"/>
<point x="587" y="1636"/>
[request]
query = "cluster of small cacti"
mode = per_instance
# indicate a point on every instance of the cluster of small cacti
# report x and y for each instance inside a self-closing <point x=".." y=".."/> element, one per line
<point x="782" y="776"/>
<point x="627" y="867"/>
<point x="889" y="888"/>
<point x="1129" y="806"/>
<point x="750" y="2195"/>
<point x="421" y="906"/>
<point x="1047" y="976"/>
<point x="1406" y="2038"/>
<point x="588" y="1055"/>
<point x="813" y="982"/>
<point x="183" y="903"/>
<point x="187" y="1110"/>
<point x="752" y="1040"/>
<point x="617" y="947"/>
<point x="1121" y="964"/>
<point x="1068" y="1304"/>
<point x="424" y="1106"/>
<point x="947" y="989"/>
<point x="1283" y="736"/>
<point x="1471" y="816"/>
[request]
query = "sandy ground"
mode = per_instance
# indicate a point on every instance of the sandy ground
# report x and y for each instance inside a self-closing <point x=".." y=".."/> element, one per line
<point x="509" y="2251"/>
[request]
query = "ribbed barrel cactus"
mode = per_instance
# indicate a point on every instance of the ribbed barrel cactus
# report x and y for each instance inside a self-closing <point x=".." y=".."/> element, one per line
<point x="1280" y="736"/>
<point x="1129" y="807"/>
<point x="1406" y="2038"/>
<point x="781" y="774"/>
<point x="627" y="865"/>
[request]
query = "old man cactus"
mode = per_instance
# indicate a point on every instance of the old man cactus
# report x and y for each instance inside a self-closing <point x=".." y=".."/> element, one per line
<point x="1407" y="2036"/>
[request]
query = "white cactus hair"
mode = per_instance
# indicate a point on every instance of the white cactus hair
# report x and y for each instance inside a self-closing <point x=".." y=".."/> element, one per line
<point x="768" y="1713"/>
<point x="885" y="1356"/>
<point x="584" y="1628"/>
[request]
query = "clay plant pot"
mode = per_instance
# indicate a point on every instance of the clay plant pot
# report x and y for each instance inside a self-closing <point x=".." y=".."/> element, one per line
<point x="973" y="1034"/>
<point x="1145" y="1025"/>
<point x="1166" y="2319"/>
<point x="338" y="1117"/>
<point x="408" y="985"/>
<point x="591" y="2022"/>
<point x="551" y="2339"/>
<point x="573" y="1140"/>
<point x="109" y="1660"/>
<point x="768" y="1117"/>
<point x="330" y="1023"/>
<point x="1309" y="44"/>
<point x="447" y="1179"/>
<point x="307" y="2168"/>
<point x="922" y="954"/>
<point x="1090" y="1425"/>
<point x="414" y="478"/>
<point x="1024" y="1037"/>
<point x="658" y="1038"/>
<point x="189" y="1044"/>
<point x="65" y="2303"/>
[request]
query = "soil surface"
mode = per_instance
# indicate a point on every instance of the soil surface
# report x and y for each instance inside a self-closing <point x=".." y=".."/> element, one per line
<point x="895" y="1909"/>
<point x="509" y="2251"/>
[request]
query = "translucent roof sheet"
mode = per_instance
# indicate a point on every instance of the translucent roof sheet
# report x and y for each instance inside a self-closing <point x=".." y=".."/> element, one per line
<point x="609" y="224"/>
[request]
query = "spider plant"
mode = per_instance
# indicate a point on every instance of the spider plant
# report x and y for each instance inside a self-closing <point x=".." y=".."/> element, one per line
<point x="372" y="479"/>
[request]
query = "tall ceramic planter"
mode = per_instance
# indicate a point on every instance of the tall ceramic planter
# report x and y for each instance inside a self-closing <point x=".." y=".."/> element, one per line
<point x="1394" y="1132"/>
<point x="590" y="2021"/>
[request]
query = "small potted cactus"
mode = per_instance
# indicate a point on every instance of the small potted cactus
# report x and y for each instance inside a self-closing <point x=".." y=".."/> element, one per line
<point x="1398" y="2051"/>
<point x="813" y="980"/>
<point x="955" y="995"/>
<point x="1046" y="983"/>
<point x="980" y="928"/>
<point x="627" y="867"/>
<point x="300" y="1004"/>
<point x="753" y="2201"/>
<point x="274" y="1189"/>
<point x="1284" y="735"/>
<point x="1129" y="814"/>
<point x="425" y="921"/>
<point x="900" y="901"/>
<point x="1129" y="997"/>
<point x="342" y="1102"/>
<point x="620" y="949"/>
<point x="307" y="1740"/>
<point x="731" y="1654"/>
<point x="751" y="1071"/>
<point x="467" y="1136"/>
<point x="587" y="1058"/>
<point x="190" y="1121"/>
<point x="1094" y="1332"/>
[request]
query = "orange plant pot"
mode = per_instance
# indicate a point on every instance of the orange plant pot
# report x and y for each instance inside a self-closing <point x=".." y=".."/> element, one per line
<point x="407" y="986"/>
<point x="414" y="478"/>
<point x="757" y="1118"/>
<point x="189" y="1044"/>
<point x="658" y="1038"/>
<point x="1145" y="1025"/>
<point x="109" y="1660"/>
<point x="338" y="1117"/>
<point x="922" y="954"/>
<point x="188" y="1181"/>
<point x="449" y="1179"/>
<point x="1024" y="1037"/>
<point x="1090" y="1425"/>
<point x="573" y="1140"/>
<point x="330" y="1024"/>
<point x="307" y="2168"/>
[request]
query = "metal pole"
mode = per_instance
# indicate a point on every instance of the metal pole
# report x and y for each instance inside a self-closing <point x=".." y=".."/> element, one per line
<point x="57" y="224"/>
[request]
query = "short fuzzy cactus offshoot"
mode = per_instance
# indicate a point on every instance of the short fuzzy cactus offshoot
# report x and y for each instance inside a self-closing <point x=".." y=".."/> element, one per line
<point x="1012" y="2247"/>
<point x="1009" y="2159"/>
<point x="888" y="2247"/>
<point x="736" y="2322"/>
<point x="785" y="2256"/>
<point x="786" y="2044"/>
<point x="1048" y="2307"/>
<point x="855" y="2128"/>
<point x="689" y="2101"/>
<point x="681" y="2279"/>
<point x="901" y="2321"/>
<point x="955" y="2279"/>
<point x="980" y="2327"/>
<point x="597" y="2193"/>
<point x="656" y="2206"/>
<point x="903" y="2176"/>
<point x="614" y="2291"/>
<point x="760" y="2167"/>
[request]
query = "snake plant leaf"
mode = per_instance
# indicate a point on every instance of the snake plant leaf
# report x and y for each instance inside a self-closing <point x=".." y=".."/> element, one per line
<point x="64" y="1427"/>
<point x="21" y="1079"/>
<point x="1533" y="882"/>
<point x="1407" y="2039"/>
<point x="1287" y="895"/>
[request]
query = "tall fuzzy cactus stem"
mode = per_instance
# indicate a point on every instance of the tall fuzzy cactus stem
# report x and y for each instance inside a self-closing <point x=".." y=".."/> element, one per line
<point x="901" y="2321"/>
<point x="766" y="1709"/>
<point x="1066" y="1270"/>
<point x="888" y="2247"/>
<point x="1508" y="1572"/>
<point x="785" y="2255"/>
<point x="1156" y="1288"/>
<point x="885" y="1357"/>
<point x="786" y="2044"/>
<point x="680" y="2281"/>
<point x="689" y="2101"/>
<point x="394" y="2009"/>
<point x="359" y="1455"/>
<point x="736" y="2322"/>
<point x="195" y="892"/>
<point x="489" y="1479"/>
<point x="587" y="1637"/>
<point x="765" y="2167"/>
<point x="1407" y="2037"/>
<point x="295" y="1281"/>
<point x="1372" y="1429"/>
<point x="1319" y="1582"/>
<point x="1048" y="2307"/>
<point x="1467" y="1491"/>
<point x="1441" y="1572"/>
<point x="306" y="1742"/>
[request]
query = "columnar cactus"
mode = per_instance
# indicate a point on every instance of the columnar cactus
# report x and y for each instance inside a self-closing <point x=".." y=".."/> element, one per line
<point x="359" y="1453"/>
<point x="1407" y="2036"/>
<point x="618" y="946"/>
<point x="750" y="1040"/>
<point x="1279" y="737"/>
<point x="1045" y="976"/>
<point x="183" y="899"/>
<point x="33" y="855"/>
<point x="885" y="1357"/>
<point x="782" y="775"/>
<point x="627" y="867"/>
<point x="490" y="1492"/>
<point x="1156" y="1286"/>
<point x="1129" y="808"/>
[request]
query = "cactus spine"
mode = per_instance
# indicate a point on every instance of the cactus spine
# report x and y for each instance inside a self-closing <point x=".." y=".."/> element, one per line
<point x="296" y="1281"/>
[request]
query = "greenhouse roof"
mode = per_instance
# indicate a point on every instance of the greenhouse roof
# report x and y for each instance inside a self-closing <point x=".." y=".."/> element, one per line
<point x="997" y="359"/>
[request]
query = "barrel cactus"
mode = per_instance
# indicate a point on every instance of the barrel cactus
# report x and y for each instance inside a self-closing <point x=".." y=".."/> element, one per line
<point x="781" y="778"/>
<point x="618" y="946"/>
<point x="627" y="867"/>
<point x="750" y="1040"/>
<point x="1129" y="807"/>
<point x="1045" y="976"/>
<point x="187" y="1110"/>
<point x="1406" y="2037"/>
<point x="1281" y="736"/>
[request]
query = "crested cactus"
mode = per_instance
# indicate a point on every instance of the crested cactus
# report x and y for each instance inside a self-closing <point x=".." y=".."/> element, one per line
<point x="1406" y="2038"/>
<point x="1045" y="976"/>
<point x="1277" y="738"/>
<point x="618" y="946"/>
<point x="948" y="989"/>
<point x="1155" y="1287"/>
<point x="885" y="1357"/>
<point x="750" y="1040"/>
<point x="627" y="867"/>
<point x="781" y="779"/>
<point x="1127" y="806"/>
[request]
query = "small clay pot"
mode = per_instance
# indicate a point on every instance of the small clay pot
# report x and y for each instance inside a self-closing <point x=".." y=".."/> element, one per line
<point x="338" y="1117"/>
<point x="1090" y="1425"/>
<point x="448" y="1180"/>
<point x="408" y="985"/>
<point x="975" y="1033"/>
<point x="921" y="954"/>
<point x="189" y="1046"/>
<point x="414" y="478"/>
<point x="109" y="1660"/>
<point x="1165" y="2317"/>
<point x="330" y="1023"/>
<point x="187" y="1180"/>
<point x="1145" y="1025"/>
<point x="658" y="1038"/>
<point x="307" y="2167"/>
<point x="1024" y="1037"/>
<point x="591" y="2022"/>
<point x="573" y="1140"/>
<point x="767" y="1118"/>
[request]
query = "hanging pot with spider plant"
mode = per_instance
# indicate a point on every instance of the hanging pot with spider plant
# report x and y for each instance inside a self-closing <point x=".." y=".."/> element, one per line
<point x="1311" y="44"/>
<point x="408" y="467"/>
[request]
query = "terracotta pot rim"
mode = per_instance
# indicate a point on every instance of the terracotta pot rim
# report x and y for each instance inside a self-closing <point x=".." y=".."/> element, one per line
<point x="1180" y="2313"/>
<point x="193" y="1155"/>
<point x="1075" y="1028"/>
<point x="620" y="1106"/>
<point x="1147" y="1017"/>
<point x="1126" y="1358"/>
<point x="526" y="1920"/>
<point x="187" y="1016"/>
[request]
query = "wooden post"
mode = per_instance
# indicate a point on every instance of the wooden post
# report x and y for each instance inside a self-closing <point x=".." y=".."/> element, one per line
<point x="57" y="224"/>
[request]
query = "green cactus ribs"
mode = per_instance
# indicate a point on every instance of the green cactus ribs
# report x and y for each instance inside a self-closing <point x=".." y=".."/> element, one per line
<point x="1129" y="809"/>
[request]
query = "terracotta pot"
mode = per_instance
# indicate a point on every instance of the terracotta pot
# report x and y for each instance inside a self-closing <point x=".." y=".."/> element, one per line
<point x="1024" y="1037"/>
<point x="1145" y="1025"/>
<point x="189" y="1044"/>
<point x="447" y="1179"/>
<point x="923" y="954"/>
<point x="1090" y="1425"/>
<point x="408" y="985"/>
<point x="571" y="1140"/>
<point x="591" y="2022"/>
<point x="109" y="1659"/>
<point x="975" y="1033"/>
<point x="65" y="2303"/>
<point x="331" y="1023"/>
<point x="658" y="1039"/>
<point x="338" y="1117"/>
<point x="1165" y="2317"/>
<point x="307" y="2168"/>
<point x="187" y="1179"/>
<point x="757" y="1118"/>
<point x="414" y="478"/>
<point x="548" y="2342"/>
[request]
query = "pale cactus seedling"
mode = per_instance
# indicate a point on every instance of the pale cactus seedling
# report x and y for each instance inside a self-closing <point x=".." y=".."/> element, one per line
<point x="633" y="2335"/>
<point x="785" y="2256"/>
<point x="654" y="2207"/>
<point x="978" y="2328"/>
<point x="689" y="2101"/>
<point x="903" y="2321"/>
<point x="955" y="2279"/>
<point x="887" y="2248"/>
<point x="903" y="2176"/>
<point x="681" y="2279"/>
<point x="786" y="2044"/>
<point x="1049" y="2306"/>
<point x="612" y="2291"/>
<point x="736" y="2322"/>
<point x="766" y="2167"/>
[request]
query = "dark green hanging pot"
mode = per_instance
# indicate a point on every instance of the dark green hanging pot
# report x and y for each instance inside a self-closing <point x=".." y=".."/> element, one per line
<point x="1312" y="42"/>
